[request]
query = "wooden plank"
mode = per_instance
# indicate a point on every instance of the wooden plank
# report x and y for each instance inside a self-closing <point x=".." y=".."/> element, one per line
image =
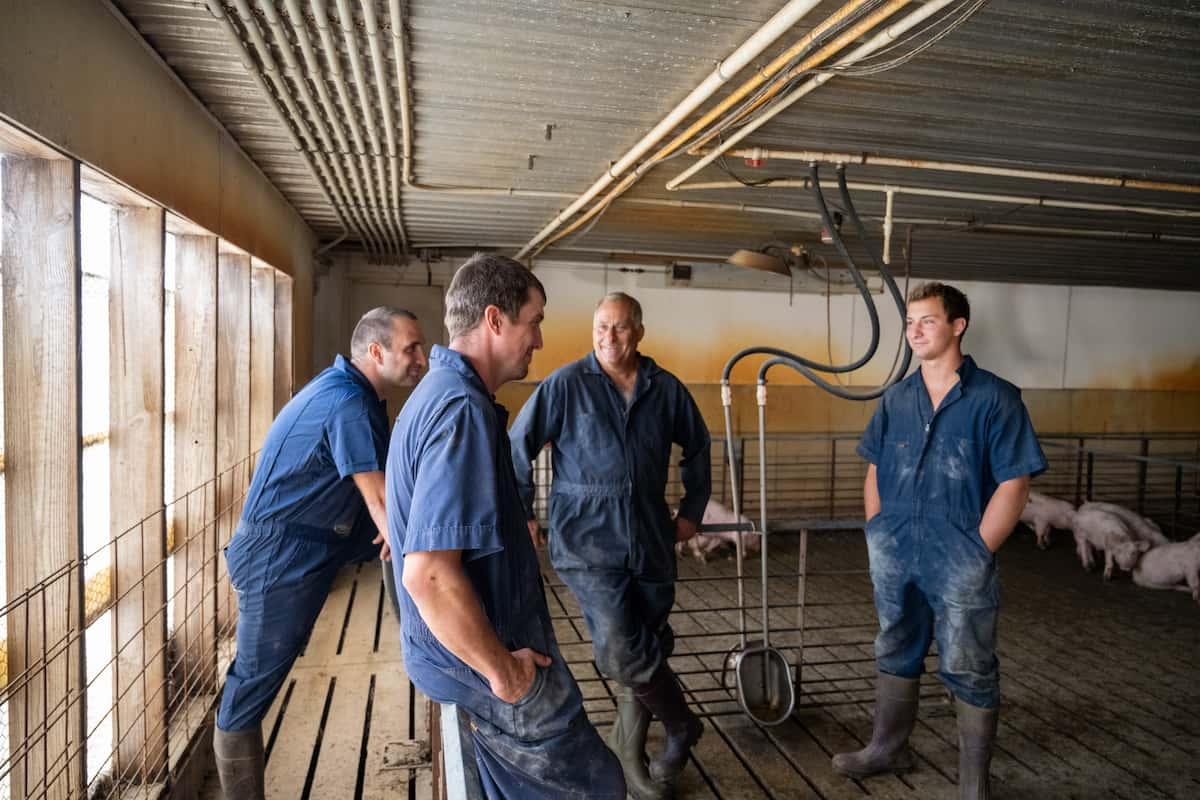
<point x="323" y="641"/>
<point x="262" y="353"/>
<point x="292" y="754"/>
<point x="42" y="467"/>
<point x="135" y="447"/>
<point x="342" y="737"/>
<point x="195" y="444"/>
<point x="359" y="639"/>
<point x="233" y="412"/>
<point x="389" y="723"/>
<point x="284" y="367"/>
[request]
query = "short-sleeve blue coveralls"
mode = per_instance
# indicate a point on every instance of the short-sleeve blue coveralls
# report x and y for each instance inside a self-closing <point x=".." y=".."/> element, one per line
<point x="303" y="519"/>
<point x="934" y="576"/>
<point x="612" y="539"/>
<point x="450" y="486"/>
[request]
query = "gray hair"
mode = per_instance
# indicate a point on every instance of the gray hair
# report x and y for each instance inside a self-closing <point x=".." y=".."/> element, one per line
<point x="376" y="327"/>
<point x="635" y="308"/>
<point x="487" y="279"/>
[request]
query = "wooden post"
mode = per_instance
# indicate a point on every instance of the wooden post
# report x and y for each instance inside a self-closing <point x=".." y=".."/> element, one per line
<point x="262" y="353"/>
<point x="283" y="340"/>
<point x="194" y="510"/>
<point x="46" y="727"/>
<point x="135" y="448"/>
<point x="233" y="415"/>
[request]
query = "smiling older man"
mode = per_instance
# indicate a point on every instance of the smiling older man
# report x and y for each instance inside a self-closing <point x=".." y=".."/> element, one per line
<point x="612" y="417"/>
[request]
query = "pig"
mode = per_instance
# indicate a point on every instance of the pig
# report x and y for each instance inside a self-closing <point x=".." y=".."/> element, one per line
<point x="1043" y="512"/>
<point x="704" y="543"/>
<point x="1099" y="529"/>
<point x="1142" y="528"/>
<point x="1171" y="566"/>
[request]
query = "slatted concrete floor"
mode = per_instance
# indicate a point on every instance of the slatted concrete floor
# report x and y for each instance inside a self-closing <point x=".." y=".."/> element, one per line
<point x="1101" y="696"/>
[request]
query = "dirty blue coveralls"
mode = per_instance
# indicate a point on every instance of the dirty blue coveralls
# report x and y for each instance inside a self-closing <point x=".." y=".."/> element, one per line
<point x="303" y="519"/>
<point x="612" y="539"/>
<point x="450" y="486"/>
<point x="934" y="576"/>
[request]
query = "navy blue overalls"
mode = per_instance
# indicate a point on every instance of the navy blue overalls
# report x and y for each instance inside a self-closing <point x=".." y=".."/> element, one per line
<point x="450" y="486"/>
<point x="934" y="576"/>
<point x="612" y="539"/>
<point x="302" y="521"/>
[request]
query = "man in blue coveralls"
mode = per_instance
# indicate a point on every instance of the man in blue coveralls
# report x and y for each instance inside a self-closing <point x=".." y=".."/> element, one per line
<point x="316" y="502"/>
<point x="475" y="627"/>
<point x="612" y="417"/>
<point x="951" y="452"/>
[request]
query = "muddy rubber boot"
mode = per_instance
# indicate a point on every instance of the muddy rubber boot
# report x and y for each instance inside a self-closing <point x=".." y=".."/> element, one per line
<point x="976" y="738"/>
<point x="664" y="697"/>
<point x="895" y="716"/>
<point x="628" y="740"/>
<point x="240" y="764"/>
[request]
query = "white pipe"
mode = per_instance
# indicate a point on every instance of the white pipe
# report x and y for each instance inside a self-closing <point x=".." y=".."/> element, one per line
<point x="874" y="43"/>
<point x="887" y="227"/>
<point x="788" y="16"/>
<point x="953" y="166"/>
<point x="385" y="102"/>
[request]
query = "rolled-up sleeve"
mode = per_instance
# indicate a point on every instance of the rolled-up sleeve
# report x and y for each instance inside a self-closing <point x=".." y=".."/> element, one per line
<point x="539" y="422"/>
<point x="455" y="504"/>
<point x="1013" y="447"/>
<point x="357" y="440"/>
<point x="695" y="467"/>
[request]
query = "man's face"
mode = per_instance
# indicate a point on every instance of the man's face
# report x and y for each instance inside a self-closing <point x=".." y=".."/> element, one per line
<point x="404" y="362"/>
<point x="615" y="337"/>
<point x="930" y="334"/>
<point x="518" y="339"/>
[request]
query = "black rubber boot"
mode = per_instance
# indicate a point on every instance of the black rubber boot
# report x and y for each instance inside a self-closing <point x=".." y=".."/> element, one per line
<point x="663" y="696"/>
<point x="976" y="738"/>
<point x="628" y="740"/>
<point x="240" y="764"/>
<point x="895" y="716"/>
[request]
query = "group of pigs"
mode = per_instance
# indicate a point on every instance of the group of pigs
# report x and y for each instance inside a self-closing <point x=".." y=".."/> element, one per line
<point x="1129" y="541"/>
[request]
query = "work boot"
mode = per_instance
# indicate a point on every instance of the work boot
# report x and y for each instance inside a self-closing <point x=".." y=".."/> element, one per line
<point x="976" y="737"/>
<point x="895" y="716"/>
<point x="240" y="764"/>
<point x="664" y="698"/>
<point x="628" y="740"/>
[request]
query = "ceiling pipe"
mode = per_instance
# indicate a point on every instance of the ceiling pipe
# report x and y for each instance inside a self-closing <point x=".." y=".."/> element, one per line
<point x="884" y="37"/>
<point x="218" y="12"/>
<point x="383" y="90"/>
<point x="328" y="149"/>
<point x="788" y="16"/>
<point x="971" y="169"/>
<point x="954" y="194"/>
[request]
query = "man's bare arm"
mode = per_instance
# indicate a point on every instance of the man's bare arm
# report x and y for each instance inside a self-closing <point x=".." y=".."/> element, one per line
<point x="871" y="502"/>
<point x="373" y="489"/>
<point x="1003" y="511"/>
<point x="443" y="594"/>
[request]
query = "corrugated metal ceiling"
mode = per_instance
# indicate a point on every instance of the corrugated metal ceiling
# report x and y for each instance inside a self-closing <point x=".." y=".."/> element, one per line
<point x="1094" y="87"/>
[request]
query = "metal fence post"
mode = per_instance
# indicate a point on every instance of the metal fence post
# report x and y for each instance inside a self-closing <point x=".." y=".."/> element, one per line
<point x="1178" y="500"/>
<point x="1091" y="471"/>
<point x="1142" y="470"/>
<point x="1079" y="475"/>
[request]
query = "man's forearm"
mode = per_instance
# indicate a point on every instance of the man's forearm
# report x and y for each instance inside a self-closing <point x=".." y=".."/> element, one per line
<point x="1003" y="511"/>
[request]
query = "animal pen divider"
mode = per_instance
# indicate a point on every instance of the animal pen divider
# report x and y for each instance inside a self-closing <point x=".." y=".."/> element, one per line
<point x="820" y="596"/>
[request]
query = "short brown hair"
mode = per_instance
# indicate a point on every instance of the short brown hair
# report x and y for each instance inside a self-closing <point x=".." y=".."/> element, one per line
<point x="487" y="279"/>
<point x="376" y="326"/>
<point x="953" y="301"/>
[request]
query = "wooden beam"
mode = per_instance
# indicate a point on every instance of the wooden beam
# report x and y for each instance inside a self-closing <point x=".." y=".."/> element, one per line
<point x="42" y="478"/>
<point x="135" y="450"/>
<point x="262" y="353"/>
<point x="233" y="415"/>
<point x="195" y="445"/>
<point x="283" y="340"/>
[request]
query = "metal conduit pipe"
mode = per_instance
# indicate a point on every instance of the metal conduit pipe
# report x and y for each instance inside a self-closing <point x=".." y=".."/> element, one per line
<point x="276" y="25"/>
<point x="383" y="90"/>
<point x="218" y="12"/>
<point x="808" y="156"/>
<point x="954" y="194"/>
<point x="884" y="37"/>
<point x="731" y="100"/>
<point x="375" y="188"/>
<point x="360" y="172"/>
<point x="788" y="16"/>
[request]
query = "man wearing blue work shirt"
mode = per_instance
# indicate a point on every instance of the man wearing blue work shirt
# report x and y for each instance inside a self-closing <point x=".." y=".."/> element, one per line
<point x="951" y="452"/>
<point x="475" y="627"/>
<point x="316" y="501"/>
<point x="612" y="417"/>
